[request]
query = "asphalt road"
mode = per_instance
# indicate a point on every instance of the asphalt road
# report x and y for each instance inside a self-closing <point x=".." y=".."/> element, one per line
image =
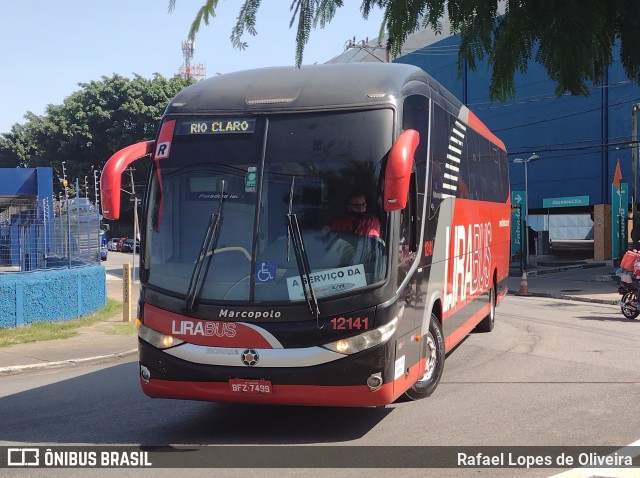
<point x="115" y="261"/>
<point x="551" y="373"/>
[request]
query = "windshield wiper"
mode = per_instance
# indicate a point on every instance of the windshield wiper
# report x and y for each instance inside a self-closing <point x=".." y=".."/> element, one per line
<point x="207" y="249"/>
<point x="294" y="235"/>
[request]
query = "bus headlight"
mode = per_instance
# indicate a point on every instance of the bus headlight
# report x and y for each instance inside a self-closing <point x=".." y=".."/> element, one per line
<point x="364" y="341"/>
<point x="157" y="339"/>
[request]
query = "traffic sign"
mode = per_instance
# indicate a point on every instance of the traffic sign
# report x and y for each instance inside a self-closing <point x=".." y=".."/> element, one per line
<point x="518" y="201"/>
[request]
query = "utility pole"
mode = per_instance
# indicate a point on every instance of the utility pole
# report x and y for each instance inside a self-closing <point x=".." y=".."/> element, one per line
<point x="135" y="223"/>
<point x="95" y="187"/>
<point x="64" y="182"/>
<point x="533" y="157"/>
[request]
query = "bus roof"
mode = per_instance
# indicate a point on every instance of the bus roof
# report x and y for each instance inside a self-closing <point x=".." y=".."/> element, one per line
<point x="309" y="87"/>
<point x="318" y="87"/>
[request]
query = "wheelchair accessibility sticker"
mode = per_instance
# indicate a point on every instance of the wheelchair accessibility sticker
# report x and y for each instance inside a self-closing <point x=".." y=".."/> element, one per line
<point x="265" y="271"/>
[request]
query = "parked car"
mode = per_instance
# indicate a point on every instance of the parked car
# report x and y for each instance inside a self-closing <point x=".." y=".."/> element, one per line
<point x="119" y="244"/>
<point x="127" y="246"/>
<point x="111" y="245"/>
<point x="103" y="253"/>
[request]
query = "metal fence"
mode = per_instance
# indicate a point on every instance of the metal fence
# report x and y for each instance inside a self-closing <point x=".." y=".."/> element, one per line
<point x="43" y="233"/>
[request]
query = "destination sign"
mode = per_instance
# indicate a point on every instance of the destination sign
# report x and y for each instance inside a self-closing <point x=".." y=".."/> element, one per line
<point x="216" y="126"/>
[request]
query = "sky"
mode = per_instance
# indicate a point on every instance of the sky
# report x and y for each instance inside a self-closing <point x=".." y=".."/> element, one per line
<point x="48" y="47"/>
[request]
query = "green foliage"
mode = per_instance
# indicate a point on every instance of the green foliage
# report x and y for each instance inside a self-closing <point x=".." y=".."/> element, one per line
<point x="572" y="39"/>
<point x="90" y="125"/>
<point x="246" y="21"/>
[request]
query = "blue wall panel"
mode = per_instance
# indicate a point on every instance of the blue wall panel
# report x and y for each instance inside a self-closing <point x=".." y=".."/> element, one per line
<point x="8" y="316"/>
<point x="18" y="181"/>
<point x="51" y="295"/>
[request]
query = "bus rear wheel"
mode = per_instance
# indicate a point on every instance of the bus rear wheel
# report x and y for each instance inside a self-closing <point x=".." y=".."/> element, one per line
<point x="433" y="351"/>
<point x="487" y="324"/>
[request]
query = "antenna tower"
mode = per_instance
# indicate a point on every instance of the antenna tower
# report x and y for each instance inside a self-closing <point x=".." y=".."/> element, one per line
<point x="188" y="70"/>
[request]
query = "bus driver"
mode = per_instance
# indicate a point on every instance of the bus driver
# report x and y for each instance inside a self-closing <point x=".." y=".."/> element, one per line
<point x="357" y="221"/>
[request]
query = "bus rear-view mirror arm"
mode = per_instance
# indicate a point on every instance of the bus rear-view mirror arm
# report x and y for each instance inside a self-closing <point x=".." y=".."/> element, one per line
<point x="111" y="178"/>
<point x="398" y="170"/>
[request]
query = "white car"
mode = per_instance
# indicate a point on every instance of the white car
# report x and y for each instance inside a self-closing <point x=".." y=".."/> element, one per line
<point x="111" y="245"/>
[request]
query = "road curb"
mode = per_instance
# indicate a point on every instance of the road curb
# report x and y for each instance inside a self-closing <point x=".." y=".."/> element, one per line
<point x="18" y="369"/>
<point x="568" y="297"/>
<point x="566" y="268"/>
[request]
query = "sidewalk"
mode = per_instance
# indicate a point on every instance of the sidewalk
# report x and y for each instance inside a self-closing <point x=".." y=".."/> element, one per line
<point x="93" y="344"/>
<point x="585" y="280"/>
<point x="588" y="280"/>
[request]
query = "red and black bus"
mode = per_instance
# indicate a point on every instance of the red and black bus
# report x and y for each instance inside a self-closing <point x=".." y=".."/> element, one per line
<point x="247" y="296"/>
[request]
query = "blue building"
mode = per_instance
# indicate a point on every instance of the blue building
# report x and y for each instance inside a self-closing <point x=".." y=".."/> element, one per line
<point x="49" y="256"/>
<point x="577" y="140"/>
<point x="26" y="203"/>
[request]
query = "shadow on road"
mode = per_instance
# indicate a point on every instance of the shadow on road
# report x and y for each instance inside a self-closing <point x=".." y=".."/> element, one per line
<point x="600" y="318"/>
<point x="108" y="407"/>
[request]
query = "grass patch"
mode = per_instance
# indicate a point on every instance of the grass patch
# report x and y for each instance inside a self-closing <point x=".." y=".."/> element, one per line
<point x="41" y="331"/>
<point x="122" y="328"/>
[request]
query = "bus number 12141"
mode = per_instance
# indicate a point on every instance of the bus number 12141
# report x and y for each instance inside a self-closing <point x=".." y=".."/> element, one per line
<point x="350" y="323"/>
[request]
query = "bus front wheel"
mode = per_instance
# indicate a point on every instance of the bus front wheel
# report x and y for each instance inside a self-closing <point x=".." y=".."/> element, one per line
<point x="433" y="351"/>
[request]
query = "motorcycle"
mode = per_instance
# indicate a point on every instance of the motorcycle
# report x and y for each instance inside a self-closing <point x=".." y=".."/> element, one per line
<point x="629" y="274"/>
<point x="629" y="302"/>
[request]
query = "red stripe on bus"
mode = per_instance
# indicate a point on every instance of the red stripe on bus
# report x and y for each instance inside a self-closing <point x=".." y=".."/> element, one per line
<point x="482" y="129"/>
<point x="205" y="332"/>
<point x="163" y="144"/>
<point x="463" y="330"/>
<point x="478" y="246"/>
<point x="317" y="395"/>
<point x="165" y="137"/>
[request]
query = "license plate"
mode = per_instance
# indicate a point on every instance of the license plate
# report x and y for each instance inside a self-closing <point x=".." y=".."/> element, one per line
<point x="239" y="385"/>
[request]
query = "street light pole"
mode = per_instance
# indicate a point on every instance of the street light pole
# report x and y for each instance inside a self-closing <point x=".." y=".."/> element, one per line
<point x="533" y="157"/>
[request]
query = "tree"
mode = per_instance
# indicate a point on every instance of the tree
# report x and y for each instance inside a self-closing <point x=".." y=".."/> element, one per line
<point x="572" y="39"/>
<point x="90" y="125"/>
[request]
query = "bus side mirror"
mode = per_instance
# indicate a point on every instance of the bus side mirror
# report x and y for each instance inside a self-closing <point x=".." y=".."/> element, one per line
<point x="111" y="177"/>
<point x="398" y="170"/>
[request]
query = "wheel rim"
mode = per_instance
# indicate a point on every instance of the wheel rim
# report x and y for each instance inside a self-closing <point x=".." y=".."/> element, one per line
<point x="626" y="310"/>
<point x="431" y="359"/>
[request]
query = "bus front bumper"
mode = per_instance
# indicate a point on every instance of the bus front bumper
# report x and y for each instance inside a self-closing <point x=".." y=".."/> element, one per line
<point x="344" y="382"/>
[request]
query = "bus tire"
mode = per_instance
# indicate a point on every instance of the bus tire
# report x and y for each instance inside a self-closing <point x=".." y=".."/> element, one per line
<point x="433" y="351"/>
<point x="487" y="324"/>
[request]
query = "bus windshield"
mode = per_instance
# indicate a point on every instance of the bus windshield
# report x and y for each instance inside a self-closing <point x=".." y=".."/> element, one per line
<point x="220" y="206"/>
